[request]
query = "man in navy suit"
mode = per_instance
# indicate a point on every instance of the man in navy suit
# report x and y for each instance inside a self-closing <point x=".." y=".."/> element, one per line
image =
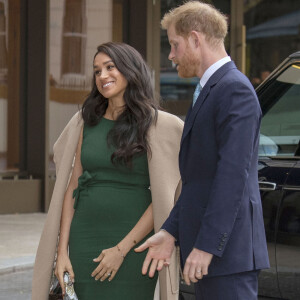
<point x="217" y="221"/>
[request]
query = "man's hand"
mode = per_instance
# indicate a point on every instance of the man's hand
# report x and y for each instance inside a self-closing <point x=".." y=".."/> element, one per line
<point x="196" y="265"/>
<point x="161" y="247"/>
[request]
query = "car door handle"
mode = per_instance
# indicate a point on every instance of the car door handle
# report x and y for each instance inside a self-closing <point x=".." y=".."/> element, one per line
<point x="267" y="186"/>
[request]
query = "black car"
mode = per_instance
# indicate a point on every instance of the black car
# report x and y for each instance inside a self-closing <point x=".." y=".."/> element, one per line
<point x="279" y="180"/>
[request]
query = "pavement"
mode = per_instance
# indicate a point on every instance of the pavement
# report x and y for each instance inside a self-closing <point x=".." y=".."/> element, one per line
<point x="19" y="239"/>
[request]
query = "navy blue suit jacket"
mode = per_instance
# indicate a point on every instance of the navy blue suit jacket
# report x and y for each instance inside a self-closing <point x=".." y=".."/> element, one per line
<point x="219" y="210"/>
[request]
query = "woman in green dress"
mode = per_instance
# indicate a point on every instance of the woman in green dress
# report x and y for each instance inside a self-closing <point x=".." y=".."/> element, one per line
<point x="107" y="209"/>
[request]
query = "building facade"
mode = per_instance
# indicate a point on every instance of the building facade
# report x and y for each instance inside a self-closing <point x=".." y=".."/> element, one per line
<point x="46" y="54"/>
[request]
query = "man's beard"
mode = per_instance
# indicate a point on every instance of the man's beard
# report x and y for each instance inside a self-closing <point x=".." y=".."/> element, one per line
<point x="187" y="65"/>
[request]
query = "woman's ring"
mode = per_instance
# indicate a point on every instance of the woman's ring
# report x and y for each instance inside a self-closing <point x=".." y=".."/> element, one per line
<point x="108" y="274"/>
<point x="198" y="271"/>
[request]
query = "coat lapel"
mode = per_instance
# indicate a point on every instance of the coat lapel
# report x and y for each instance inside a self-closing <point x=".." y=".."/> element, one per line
<point x="213" y="80"/>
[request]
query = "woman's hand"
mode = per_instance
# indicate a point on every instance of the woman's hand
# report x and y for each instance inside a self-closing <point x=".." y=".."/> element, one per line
<point x="110" y="262"/>
<point x="63" y="264"/>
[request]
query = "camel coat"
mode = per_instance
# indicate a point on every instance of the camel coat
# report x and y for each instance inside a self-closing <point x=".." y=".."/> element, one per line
<point x="164" y="140"/>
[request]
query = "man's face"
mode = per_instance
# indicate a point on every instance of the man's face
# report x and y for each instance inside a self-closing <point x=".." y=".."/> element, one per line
<point x="181" y="53"/>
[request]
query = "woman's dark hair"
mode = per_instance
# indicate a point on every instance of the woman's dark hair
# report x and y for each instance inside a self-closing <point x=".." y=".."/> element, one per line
<point x="129" y="134"/>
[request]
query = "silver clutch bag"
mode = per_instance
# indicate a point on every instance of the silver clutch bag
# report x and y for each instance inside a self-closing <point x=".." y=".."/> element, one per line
<point x="56" y="292"/>
<point x="70" y="293"/>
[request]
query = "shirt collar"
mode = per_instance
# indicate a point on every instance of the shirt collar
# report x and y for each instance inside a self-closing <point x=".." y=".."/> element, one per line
<point x="212" y="69"/>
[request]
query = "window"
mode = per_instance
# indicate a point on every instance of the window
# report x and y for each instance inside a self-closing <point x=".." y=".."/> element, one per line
<point x="3" y="85"/>
<point x="177" y="93"/>
<point x="280" y="127"/>
<point x="77" y="27"/>
<point x="3" y="43"/>
<point x="9" y="85"/>
<point x="272" y="33"/>
<point x="74" y="42"/>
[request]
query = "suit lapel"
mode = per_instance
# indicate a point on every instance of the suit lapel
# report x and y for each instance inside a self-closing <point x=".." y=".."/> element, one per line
<point x="192" y="113"/>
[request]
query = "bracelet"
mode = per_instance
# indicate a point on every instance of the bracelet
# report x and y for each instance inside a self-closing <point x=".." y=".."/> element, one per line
<point x="120" y="251"/>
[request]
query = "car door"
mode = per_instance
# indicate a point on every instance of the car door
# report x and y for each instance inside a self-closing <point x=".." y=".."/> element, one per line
<point x="272" y="176"/>
<point x="277" y="173"/>
<point x="288" y="237"/>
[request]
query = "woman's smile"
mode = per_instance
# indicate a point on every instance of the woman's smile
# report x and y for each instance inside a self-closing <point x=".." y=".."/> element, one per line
<point x="111" y="83"/>
<point x="108" y="84"/>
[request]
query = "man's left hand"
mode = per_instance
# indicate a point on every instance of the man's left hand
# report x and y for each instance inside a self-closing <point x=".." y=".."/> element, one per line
<point x="196" y="265"/>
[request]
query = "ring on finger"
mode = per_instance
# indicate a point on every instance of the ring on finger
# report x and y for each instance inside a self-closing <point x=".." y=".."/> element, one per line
<point x="198" y="271"/>
<point x="108" y="274"/>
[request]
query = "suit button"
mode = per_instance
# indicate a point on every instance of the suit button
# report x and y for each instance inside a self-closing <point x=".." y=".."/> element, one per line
<point x="223" y="239"/>
<point x="225" y="234"/>
<point x="222" y="244"/>
<point x="220" y="248"/>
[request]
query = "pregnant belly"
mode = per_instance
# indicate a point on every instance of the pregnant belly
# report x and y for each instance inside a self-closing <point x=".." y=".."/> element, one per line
<point x="109" y="209"/>
<point x="103" y="217"/>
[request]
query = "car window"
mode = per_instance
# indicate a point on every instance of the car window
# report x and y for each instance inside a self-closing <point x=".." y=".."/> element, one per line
<point x="280" y="126"/>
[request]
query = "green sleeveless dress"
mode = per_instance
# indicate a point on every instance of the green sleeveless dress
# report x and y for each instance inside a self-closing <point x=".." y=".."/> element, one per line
<point x="109" y="201"/>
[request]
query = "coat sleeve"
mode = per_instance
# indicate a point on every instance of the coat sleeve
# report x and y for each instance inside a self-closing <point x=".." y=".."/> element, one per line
<point x="171" y="224"/>
<point x="60" y="144"/>
<point x="65" y="148"/>
<point x="237" y="122"/>
<point x="164" y="139"/>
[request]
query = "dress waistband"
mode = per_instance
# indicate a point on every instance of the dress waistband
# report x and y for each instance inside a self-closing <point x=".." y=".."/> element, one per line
<point x="87" y="180"/>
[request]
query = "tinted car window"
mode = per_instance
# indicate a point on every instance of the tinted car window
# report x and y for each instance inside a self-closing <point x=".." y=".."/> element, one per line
<point x="280" y="127"/>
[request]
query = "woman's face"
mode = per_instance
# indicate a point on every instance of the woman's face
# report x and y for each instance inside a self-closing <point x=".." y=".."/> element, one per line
<point x="110" y="82"/>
